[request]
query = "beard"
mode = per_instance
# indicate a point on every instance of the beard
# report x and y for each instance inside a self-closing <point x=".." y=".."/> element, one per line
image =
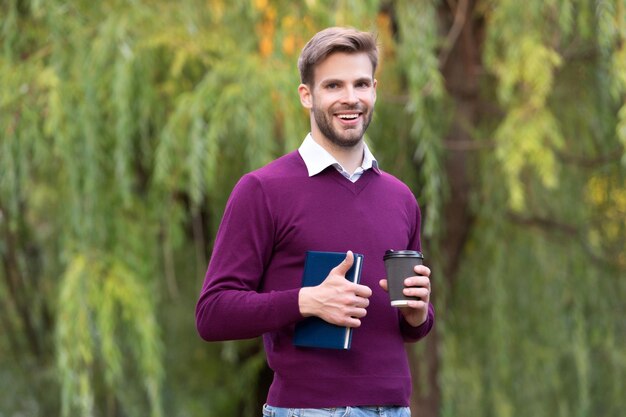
<point x="346" y="138"/>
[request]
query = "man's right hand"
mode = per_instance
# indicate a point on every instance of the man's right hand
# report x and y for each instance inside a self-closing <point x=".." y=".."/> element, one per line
<point x="336" y="300"/>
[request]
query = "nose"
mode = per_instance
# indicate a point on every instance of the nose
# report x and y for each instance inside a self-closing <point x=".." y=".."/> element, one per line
<point x="350" y="95"/>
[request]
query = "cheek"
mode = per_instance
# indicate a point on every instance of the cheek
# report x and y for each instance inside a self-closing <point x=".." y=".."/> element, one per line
<point x="369" y="99"/>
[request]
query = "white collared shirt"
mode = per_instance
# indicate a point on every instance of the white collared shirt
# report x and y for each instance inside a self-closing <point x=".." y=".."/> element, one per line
<point x="317" y="159"/>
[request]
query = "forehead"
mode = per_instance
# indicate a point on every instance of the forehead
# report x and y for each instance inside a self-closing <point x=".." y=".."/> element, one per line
<point x="344" y="66"/>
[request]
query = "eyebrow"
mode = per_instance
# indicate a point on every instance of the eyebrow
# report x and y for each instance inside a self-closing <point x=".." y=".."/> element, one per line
<point x="365" y="80"/>
<point x="331" y="81"/>
<point x="338" y="81"/>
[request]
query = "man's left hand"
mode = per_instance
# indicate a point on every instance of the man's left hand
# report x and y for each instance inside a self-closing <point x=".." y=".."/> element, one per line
<point x="416" y="312"/>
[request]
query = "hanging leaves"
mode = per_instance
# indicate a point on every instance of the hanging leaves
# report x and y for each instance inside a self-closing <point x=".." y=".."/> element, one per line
<point x="524" y="63"/>
<point x="124" y="124"/>
<point x="107" y="333"/>
<point x="424" y="106"/>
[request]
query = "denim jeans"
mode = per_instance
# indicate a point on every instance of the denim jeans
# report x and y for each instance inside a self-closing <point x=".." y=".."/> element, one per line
<point x="269" y="411"/>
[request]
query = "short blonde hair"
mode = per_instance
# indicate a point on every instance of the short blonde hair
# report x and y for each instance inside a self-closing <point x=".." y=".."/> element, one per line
<point x="331" y="40"/>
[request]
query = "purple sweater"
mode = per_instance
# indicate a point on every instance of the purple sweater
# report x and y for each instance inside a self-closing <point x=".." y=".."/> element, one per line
<point x="274" y="215"/>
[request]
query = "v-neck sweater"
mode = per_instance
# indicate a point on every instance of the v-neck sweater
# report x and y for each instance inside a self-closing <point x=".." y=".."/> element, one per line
<point x="272" y="218"/>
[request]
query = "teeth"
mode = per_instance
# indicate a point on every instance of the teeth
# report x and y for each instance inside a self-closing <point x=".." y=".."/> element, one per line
<point x="348" y="116"/>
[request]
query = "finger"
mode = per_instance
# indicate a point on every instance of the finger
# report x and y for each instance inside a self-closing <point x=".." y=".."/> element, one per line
<point x="357" y="312"/>
<point x="422" y="270"/>
<point x="383" y="284"/>
<point x="361" y="302"/>
<point x="345" y="265"/>
<point x="363" y="291"/>
<point x="351" y="322"/>
<point x="418" y="281"/>
<point x="420" y="292"/>
<point x="416" y="305"/>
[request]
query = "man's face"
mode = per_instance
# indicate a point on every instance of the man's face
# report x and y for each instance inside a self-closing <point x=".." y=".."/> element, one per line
<point x="342" y="98"/>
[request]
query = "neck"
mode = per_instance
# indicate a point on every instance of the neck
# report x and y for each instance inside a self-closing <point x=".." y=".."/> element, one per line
<point x="350" y="157"/>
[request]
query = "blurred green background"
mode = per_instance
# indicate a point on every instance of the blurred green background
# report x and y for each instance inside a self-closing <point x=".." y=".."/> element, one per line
<point x="124" y="125"/>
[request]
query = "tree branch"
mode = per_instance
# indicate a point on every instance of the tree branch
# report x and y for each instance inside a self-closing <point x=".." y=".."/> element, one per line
<point x="467" y="145"/>
<point x="598" y="161"/>
<point x="13" y="280"/>
<point x="544" y="223"/>
<point x="460" y="17"/>
<point x="548" y="225"/>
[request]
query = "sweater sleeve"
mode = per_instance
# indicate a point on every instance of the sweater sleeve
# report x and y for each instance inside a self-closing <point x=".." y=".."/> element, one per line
<point x="230" y="305"/>
<point x="413" y="334"/>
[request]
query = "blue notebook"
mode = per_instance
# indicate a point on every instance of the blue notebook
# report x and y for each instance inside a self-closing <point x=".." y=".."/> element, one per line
<point x="313" y="331"/>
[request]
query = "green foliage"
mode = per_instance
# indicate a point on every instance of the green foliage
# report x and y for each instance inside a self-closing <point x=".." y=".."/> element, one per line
<point x="107" y="328"/>
<point x="425" y="103"/>
<point x="612" y="41"/>
<point x="529" y="333"/>
<point x="124" y="125"/>
<point x="524" y="61"/>
<point x="560" y="357"/>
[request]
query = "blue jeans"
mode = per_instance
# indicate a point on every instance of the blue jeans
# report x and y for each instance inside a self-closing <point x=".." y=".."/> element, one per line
<point x="269" y="411"/>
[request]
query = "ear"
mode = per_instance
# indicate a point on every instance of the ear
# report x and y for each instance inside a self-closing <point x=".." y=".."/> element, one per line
<point x="306" y="98"/>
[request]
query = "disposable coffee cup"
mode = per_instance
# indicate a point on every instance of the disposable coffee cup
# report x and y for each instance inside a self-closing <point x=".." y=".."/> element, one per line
<point x="399" y="266"/>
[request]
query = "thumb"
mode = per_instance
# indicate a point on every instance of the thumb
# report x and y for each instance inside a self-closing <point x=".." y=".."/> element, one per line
<point x="345" y="265"/>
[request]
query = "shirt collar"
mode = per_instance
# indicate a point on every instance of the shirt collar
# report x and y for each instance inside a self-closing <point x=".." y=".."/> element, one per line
<point x="317" y="159"/>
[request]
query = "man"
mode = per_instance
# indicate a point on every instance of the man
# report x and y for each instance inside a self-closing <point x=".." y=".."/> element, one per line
<point x="329" y="195"/>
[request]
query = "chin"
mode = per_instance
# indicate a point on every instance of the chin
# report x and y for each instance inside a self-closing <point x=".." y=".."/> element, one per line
<point x="349" y="143"/>
<point x="346" y="142"/>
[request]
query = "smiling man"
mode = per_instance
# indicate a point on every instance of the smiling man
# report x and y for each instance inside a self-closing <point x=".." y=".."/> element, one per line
<point x="329" y="195"/>
<point x="341" y="98"/>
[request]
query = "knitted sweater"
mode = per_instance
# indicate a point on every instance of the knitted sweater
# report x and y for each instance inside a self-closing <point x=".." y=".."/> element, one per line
<point x="273" y="216"/>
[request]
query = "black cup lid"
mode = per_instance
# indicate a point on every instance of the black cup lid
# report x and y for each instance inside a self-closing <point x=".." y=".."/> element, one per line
<point x="402" y="254"/>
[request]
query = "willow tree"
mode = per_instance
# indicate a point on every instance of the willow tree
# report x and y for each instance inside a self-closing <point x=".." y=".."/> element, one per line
<point x="124" y="125"/>
<point x="538" y="135"/>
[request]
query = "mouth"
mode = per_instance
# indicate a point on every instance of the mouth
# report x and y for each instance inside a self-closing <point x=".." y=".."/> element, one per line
<point x="349" y="118"/>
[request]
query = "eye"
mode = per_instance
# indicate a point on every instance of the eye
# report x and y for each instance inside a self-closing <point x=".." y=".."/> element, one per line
<point x="332" y="86"/>
<point x="363" y="84"/>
